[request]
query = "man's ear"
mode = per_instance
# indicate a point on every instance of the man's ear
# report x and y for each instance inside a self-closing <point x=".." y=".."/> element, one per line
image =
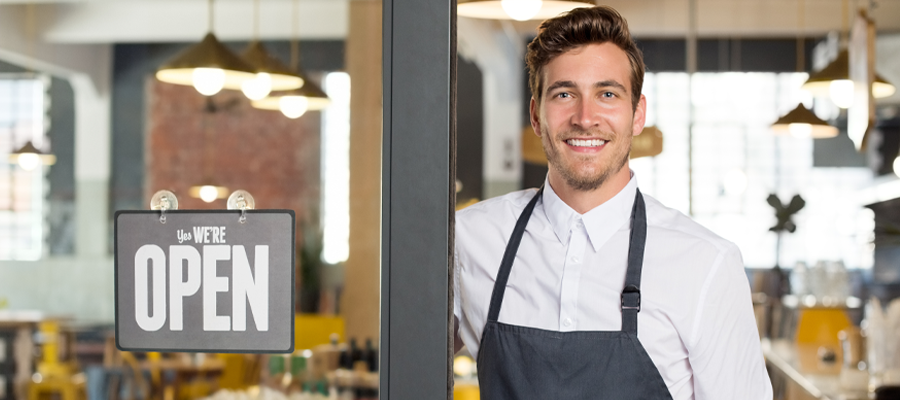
<point x="640" y="116"/>
<point x="535" y="117"/>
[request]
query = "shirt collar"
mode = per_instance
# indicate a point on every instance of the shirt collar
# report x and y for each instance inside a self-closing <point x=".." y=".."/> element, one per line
<point x="601" y="222"/>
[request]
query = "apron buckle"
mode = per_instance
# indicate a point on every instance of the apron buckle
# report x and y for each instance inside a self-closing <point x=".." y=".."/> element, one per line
<point x="631" y="289"/>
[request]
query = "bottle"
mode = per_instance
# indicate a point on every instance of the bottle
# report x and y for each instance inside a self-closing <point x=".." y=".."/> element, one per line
<point x="371" y="356"/>
<point x="356" y="353"/>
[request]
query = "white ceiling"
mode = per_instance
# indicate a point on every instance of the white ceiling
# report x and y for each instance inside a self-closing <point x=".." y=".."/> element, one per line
<point x="110" y="21"/>
<point x="122" y="21"/>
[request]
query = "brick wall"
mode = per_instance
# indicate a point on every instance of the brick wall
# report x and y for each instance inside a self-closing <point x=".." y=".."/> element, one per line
<point x="275" y="158"/>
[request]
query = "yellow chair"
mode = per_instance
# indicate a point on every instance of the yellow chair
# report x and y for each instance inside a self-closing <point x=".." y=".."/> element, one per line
<point x="68" y="388"/>
<point x="55" y="377"/>
<point x="241" y="371"/>
<point x="311" y="330"/>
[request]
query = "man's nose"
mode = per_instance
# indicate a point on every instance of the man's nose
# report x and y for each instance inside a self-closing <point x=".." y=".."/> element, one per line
<point x="587" y="114"/>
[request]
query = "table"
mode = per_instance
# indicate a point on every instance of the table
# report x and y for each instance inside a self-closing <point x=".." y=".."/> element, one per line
<point x="781" y="361"/>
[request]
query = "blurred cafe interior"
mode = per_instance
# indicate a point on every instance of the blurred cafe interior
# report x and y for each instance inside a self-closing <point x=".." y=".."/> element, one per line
<point x="773" y="123"/>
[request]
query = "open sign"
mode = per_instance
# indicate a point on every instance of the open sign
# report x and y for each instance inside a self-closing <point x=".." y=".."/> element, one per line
<point x="204" y="281"/>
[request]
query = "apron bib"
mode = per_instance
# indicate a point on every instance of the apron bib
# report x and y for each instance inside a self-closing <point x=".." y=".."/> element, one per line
<point x="516" y="362"/>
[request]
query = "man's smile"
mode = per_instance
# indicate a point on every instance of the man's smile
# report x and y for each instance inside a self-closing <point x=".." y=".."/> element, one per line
<point x="586" y="142"/>
<point x="586" y="145"/>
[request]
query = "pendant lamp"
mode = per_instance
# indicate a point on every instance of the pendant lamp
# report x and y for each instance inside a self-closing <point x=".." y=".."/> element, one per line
<point x="801" y="122"/>
<point x="294" y="103"/>
<point x="208" y="192"/>
<point x="271" y="74"/>
<point x="834" y="81"/>
<point x="29" y="157"/>
<point x="519" y="10"/>
<point x="208" y="66"/>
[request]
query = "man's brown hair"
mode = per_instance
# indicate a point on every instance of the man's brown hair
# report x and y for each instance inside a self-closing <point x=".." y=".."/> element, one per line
<point x="582" y="26"/>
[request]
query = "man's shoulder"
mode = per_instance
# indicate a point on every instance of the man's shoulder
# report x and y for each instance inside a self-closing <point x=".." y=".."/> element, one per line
<point x="496" y="209"/>
<point x="674" y="224"/>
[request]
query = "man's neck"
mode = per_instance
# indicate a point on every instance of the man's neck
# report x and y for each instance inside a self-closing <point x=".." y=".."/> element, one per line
<point x="583" y="201"/>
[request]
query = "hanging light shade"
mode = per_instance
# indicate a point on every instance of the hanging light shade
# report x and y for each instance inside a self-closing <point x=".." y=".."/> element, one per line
<point x="648" y="144"/>
<point x="520" y="10"/>
<point x="29" y="157"/>
<point x="209" y="66"/>
<point x="294" y="103"/>
<point x="271" y="74"/>
<point x="834" y="81"/>
<point x="801" y="122"/>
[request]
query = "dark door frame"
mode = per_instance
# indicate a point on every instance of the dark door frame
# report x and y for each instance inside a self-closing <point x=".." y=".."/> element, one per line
<point x="418" y="191"/>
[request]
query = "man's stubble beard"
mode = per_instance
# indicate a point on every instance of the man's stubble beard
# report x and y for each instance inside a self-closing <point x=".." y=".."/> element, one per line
<point x="581" y="183"/>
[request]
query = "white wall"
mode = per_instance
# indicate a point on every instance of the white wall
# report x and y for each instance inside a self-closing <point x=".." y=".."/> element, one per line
<point x="81" y="286"/>
<point x="499" y="53"/>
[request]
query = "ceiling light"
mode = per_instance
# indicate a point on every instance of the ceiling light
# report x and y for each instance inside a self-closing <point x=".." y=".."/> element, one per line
<point x="316" y="100"/>
<point x="208" y="66"/>
<point x="801" y="122"/>
<point x="293" y="107"/>
<point x="296" y="102"/>
<point x="271" y="74"/>
<point x="520" y="10"/>
<point x="258" y="87"/>
<point x="29" y="157"/>
<point x="208" y="192"/>
<point x="834" y="81"/>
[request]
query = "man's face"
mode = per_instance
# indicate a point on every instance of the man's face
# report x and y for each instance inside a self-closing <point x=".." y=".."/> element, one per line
<point x="585" y="117"/>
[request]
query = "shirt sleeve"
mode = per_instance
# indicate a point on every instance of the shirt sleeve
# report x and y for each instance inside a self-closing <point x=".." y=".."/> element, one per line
<point x="725" y="352"/>
<point x="457" y="307"/>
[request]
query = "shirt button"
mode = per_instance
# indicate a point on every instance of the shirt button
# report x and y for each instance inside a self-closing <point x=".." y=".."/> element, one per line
<point x="567" y="322"/>
<point x="575" y="260"/>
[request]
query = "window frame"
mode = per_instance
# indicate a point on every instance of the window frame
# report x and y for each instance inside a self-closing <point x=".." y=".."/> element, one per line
<point x="418" y="198"/>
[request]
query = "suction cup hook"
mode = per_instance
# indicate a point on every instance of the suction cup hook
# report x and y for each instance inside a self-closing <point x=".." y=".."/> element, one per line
<point x="163" y="201"/>
<point x="241" y="200"/>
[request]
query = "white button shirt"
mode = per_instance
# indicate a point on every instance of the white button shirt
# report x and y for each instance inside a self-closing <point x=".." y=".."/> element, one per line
<point x="696" y="320"/>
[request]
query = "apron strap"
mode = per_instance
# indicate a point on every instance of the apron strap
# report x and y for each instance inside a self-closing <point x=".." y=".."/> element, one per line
<point x="631" y="294"/>
<point x="509" y="256"/>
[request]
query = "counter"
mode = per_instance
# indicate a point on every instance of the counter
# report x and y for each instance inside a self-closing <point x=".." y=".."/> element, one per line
<point x="782" y="362"/>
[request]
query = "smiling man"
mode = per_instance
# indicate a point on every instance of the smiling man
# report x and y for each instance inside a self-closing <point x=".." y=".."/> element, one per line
<point x="585" y="288"/>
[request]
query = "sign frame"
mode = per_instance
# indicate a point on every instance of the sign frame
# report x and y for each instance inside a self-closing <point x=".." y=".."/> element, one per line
<point x="236" y="214"/>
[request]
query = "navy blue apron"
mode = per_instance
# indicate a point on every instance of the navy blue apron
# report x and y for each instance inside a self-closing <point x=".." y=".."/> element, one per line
<point x="517" y="362"/>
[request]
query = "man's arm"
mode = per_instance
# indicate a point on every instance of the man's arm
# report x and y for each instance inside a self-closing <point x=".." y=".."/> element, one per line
<point x="724" y="352"/>
<point x="457" y="342"/>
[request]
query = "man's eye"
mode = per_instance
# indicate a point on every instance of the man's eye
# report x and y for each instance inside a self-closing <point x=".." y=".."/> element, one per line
<point x="563" y="95"/>
<point x="608" y="94"/>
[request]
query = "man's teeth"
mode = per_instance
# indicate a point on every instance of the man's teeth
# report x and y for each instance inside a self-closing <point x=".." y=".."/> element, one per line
<point x="586" y="143"/>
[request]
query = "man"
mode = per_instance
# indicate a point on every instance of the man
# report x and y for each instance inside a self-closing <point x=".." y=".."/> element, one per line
<point x="585" y="288"/>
